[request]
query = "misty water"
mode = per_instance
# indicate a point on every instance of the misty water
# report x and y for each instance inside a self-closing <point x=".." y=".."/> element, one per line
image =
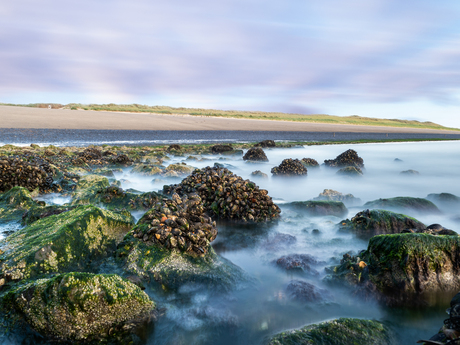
<point x="260" y="307"/>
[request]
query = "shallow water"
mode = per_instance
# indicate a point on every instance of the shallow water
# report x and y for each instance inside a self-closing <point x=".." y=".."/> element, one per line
<point x="197" y="315"/>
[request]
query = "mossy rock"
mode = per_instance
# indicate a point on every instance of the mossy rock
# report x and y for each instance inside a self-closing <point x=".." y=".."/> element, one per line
<point x="14" y="203"/>
<point x="368" y="223"/>
<point x="172" y="269"/>
<point x="445" y="201"/>
<point x="343" y="331"/>
<point x="81" y="306"/>
<point x="180" y="169"/>
<point x="404" y="269"/>
<point x="319" y="208"/>
<point x="71" y="241"/>
<point x="87" y="188"/>
<point x="39" y="212"/>
<point x="404" y="204"/>
<point x="147" y="169"/>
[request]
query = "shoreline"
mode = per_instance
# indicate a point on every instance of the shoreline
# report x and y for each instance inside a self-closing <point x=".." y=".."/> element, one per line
<point x="41" y="118"/>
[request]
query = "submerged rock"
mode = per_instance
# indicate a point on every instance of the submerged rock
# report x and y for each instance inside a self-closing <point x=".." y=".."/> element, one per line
<point x="300" y="263"/>
<point x="368" y="223"/>
<point x="279" y="241"/>
<point x="302" y="291"/>
<point x="71" y="241"/>
<point x="319" y="208"/>
<point x="405" y="204"/>
<point x="309" y="162"/>
<point x="259" y="174"/>
<point x="447" y="201"/>
<point x="346" y="159"/>
<point x="255" y="154"/>
<point x="409" y="172"/>
<point x="350" y="171"/>
<point x="289" y="167"/>
<point x="343" y="331"/>
<point x="227" y="196"/>
<point x="147" y="169"/>
<point x="81" y="306"/>
<point x="332" y="195"/>
<point x="404" y="269"/>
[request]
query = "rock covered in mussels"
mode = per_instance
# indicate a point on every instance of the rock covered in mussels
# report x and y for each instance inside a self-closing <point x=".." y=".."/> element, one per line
<point x="227" y="196"/>
<point x="18" y="172"/>
<point x="178" y="223"/>
<point x="255" y="154"/>
<point x="345" y="159"/>
<point x="290" y="167"/>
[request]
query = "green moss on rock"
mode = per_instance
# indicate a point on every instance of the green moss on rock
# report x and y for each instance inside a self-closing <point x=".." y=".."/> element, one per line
<point x="80" y="306"/>
<point x="73" y="240"/>
<point x="172" y="269"/>
<point x="319" y="208"/>
<point x="343" y="331"/>
<point x="368" y="223"/>
<point x="14" y="203"/>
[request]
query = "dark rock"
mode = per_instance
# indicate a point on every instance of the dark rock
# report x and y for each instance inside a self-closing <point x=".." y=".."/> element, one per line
<point x="368" y="223"/>
<point x="290" y="167"/>
<point x="409" y="172"/>
<point x="266" y="143"/>
<point x="300" y="263"/>
<point x="404" y="204"/>
<point x="255" y="154"/>
<point x="341" y="331"/>
<point x="174" y="147"/>
<point x="259" y="173"/>
<point x="445" y="201"/>
<point x="279" y="241"/>
<point x="221" y="148"/>
<point x="121" y="159"/>
<point x="345" y="159"/>
<point x="398" y="160"/>
<point x="31" y="175"/>
<point x="301" y="291"/>
<point x="319" y="208"/>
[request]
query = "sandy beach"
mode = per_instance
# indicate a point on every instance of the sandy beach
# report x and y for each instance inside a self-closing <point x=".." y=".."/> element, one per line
<point x="28" y="118"/>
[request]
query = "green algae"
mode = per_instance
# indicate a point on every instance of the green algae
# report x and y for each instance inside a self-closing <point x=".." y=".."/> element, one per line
<point x="79" y="306"/>
<point x="406" y="204"/>
<point x="73" y="240"/>
<point x="343" y="331"/>
<point x="172" y="269"/>
<point x="14" y="203"/>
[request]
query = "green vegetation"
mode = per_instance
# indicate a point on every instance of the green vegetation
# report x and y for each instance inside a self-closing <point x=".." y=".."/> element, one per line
<point x="256" y="115"/>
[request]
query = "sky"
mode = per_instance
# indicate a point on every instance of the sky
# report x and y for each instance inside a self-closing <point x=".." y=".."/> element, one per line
<point x="374" y="58"/>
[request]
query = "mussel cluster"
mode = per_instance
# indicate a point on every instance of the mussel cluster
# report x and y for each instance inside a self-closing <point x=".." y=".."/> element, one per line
<point x="266" y="143"/>
<point x="121" y="160"/>
<point x="16" y="172"/>
<point x="345" y="159"/>
<point x="179" y="222"/>
<point x="255" y="154"/>
<point x="290" y="167"/>
<point x="227" y="196"/>
<point x="221" y="148"/>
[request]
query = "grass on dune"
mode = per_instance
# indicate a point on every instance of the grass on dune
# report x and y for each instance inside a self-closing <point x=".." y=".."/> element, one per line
<point x="313" y="118"/>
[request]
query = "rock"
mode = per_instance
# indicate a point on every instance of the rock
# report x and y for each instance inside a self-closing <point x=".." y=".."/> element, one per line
<point x="181" y="169"/>
<point x="309" y="163"/>
<point x="174" y="147"/>
<point x="398" y="160"/>
<point x="180" y="224"/>
<point x="172" y="269"/>
<point x="221" y="148"/>
<point x="290" y="167"/>
<point x="404" y="204"/>
<point x="319" y="208"/>
<point x="266" y="143"/>
<point x="301" y="291"/>
<point x="255" y="154"/>
<point x="300" y="263"/>
<point x="81" y="306"/>
<point x="39" y="212"/>
<point x="121" y="159"/>
<point x="18" y="172"/>
<point x="259" y="174"/>
<point x="147" y="169"/>
<point x="343" y="331"/>
<point x="332" y="195"/>
<point x="368" y="223"/>
<point x="409" y="172"/>
<point x="279" y="241"/>
<point x="345" y="159"/>
<point x="438" y="229"/>
<point x="406" y="269"/>
<point x="227" y="196"/>
<point x="350" y="171"/>
<point x="70" y="241"/>
<point x="446" y="201"/>
<point x="14" y="204"/>
<point x="104" y="172"/>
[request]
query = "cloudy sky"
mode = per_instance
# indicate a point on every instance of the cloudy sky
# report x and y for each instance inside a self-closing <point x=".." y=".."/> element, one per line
<point x="376" y="58"/>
